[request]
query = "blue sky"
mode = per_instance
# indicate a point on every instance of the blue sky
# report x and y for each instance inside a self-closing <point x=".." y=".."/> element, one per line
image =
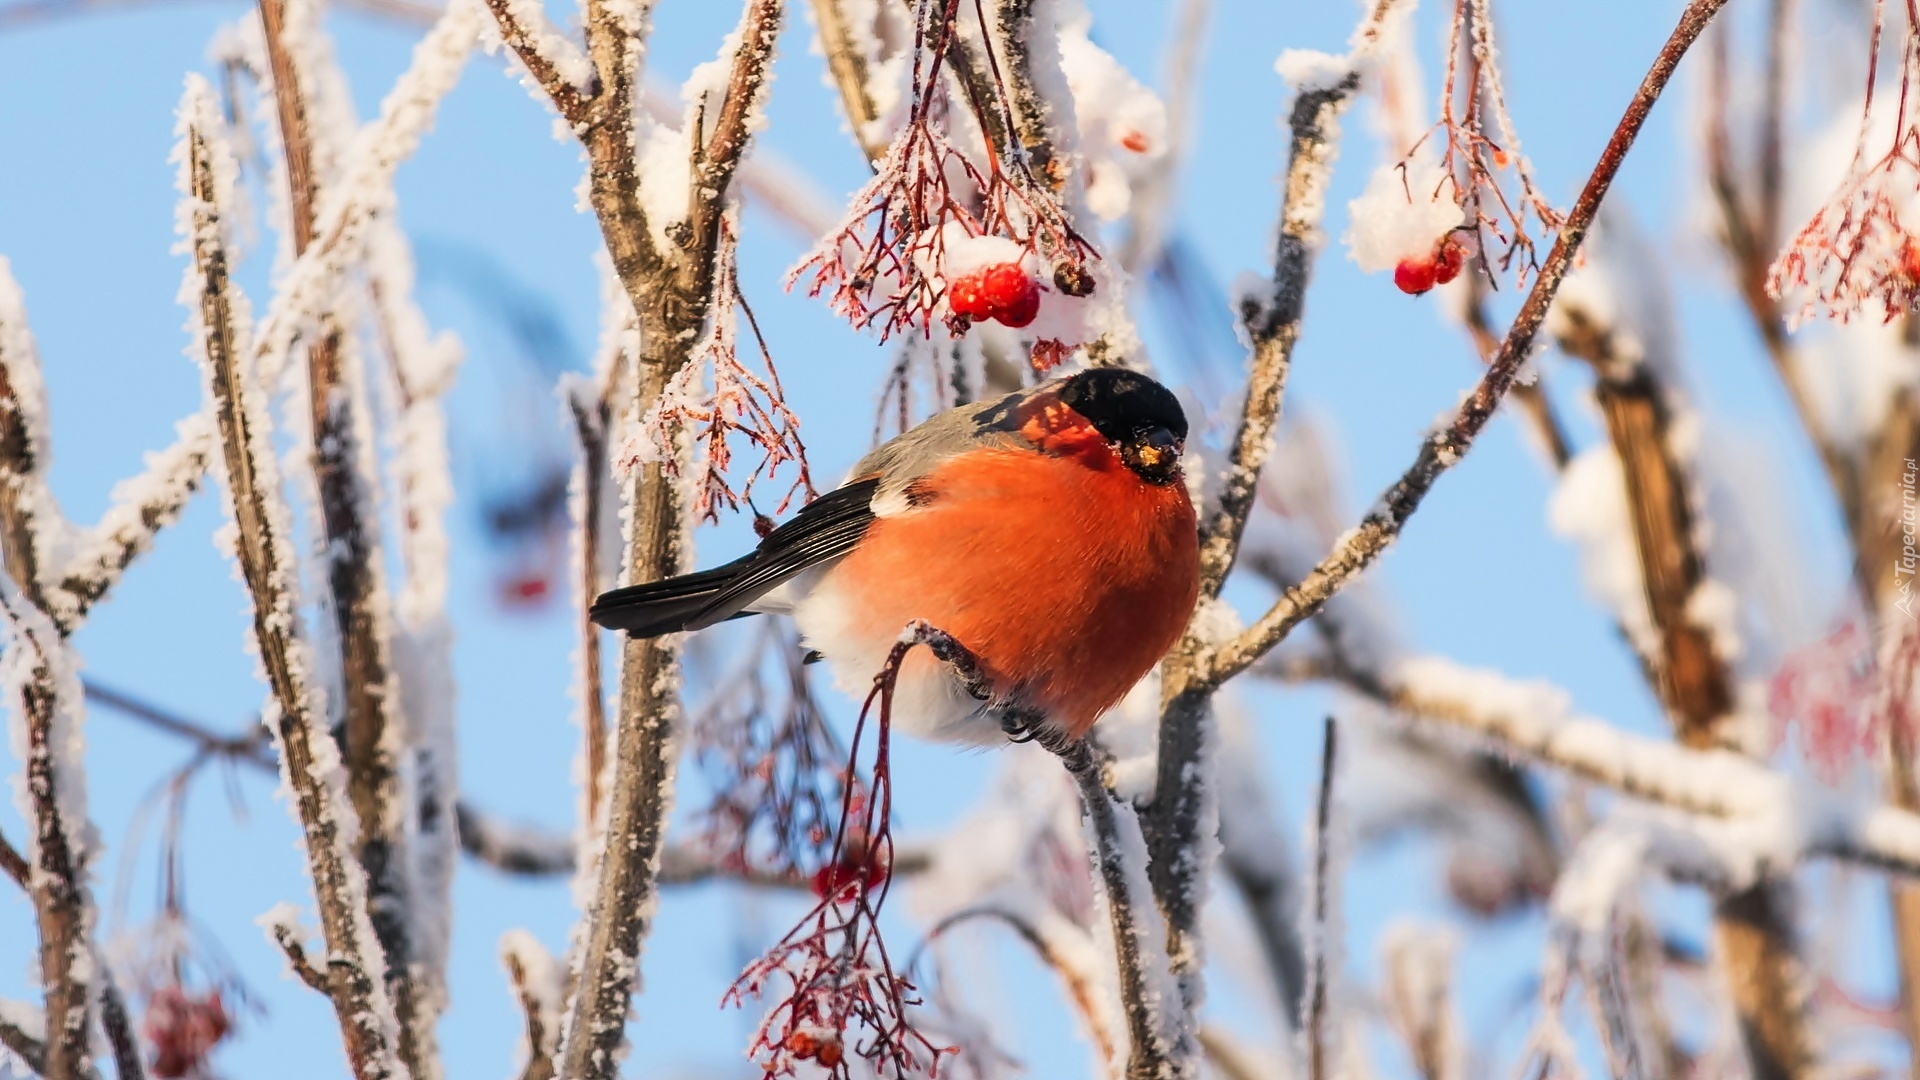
<point x="86" y="218"/>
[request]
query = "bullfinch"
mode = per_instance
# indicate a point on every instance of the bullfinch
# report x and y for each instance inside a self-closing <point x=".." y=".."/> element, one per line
<point x="1047" y="532"/>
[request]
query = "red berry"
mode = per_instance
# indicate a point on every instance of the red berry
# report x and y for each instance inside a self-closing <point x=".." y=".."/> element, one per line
<point x="1910" y="259"/>
<point x="829" y="1054"/>
<point x="966" y="296"/>
<point x="1134" y="141"/>
<point x="1414" y="276"/>
<point x="1448" y="259"/>
<point x="802" y="1045"/>
<point x="1014" y="296"/>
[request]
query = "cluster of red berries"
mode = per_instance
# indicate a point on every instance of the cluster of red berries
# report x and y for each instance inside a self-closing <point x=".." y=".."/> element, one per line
<point x="1002" y="291"/>
<point x="183" y="1029"/>
<point x="1417" y="274"/>
<point x="825" y="1050"/>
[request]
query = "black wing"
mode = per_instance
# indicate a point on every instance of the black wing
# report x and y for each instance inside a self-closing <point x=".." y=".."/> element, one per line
<point x="824" y="529"/>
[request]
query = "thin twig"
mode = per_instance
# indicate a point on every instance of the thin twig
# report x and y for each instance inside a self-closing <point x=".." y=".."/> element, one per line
<point x="541" y="1043"/>
<point x="14" y="864"/>
<point x="1149" y="1054"/>
<point x="590" y="423"/>
<point x="118" y="1025"/>
<point x="1315" y="1021"/>
<point x="289" y="941"/>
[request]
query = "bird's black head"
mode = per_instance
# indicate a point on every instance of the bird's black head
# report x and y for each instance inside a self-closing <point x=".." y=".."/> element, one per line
<point x="1140" y="417"/>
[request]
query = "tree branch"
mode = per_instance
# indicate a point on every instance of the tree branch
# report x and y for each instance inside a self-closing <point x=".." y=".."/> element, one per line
<point x="44" y="695"/>
<point x="1689" y="673"/>
<point x="1533" y="721"/>
<point x="24" y="1045"/>
<point x="545" y="53"/>
<point x="288" y="938"/>
<point x="1151" y="1055"/>
<point x="355" y="979"/>
<point x="534" y="980"/>
<point x="848" y="66"/>
<point x="141" y="507"/>
<point x="1175" y="820"/>
<point x="118" y="1025"/>
<point x="15" y="865"/>
<point x="671" y="300"/>
<point x="1315" y="1020"/>
<point x="372" y="739"/>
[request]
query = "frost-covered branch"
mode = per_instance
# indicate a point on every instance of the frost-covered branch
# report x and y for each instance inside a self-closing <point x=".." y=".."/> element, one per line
<point x="1160" y="1042"/>
<point x="30" y="522"/>
<point x="1534" y="721"/>
<point x="1447" y="445"/>
<point x="140" y="507"/>
<point x="850" y="64"/>
<point x="341" y="456"/>
<point x="364" y="187"/>
<point x="1319" y="971"/>
<point x="41" y="684"/>
<point x="671" y="293"/>
<point x="555" y="64"/>
<point x="287" y="935"/>
<point x="14" y="865"/>
<point x="1175" y="822"/>
<point x="591" y="421"/>
<point x="43" y="694"/>
<point x="1686" y="651"/>
<point x="539" y="983"/>
<point x="29" y="1046"/>
<point x="118" y="1025"/>
<point x="262" y="542"/>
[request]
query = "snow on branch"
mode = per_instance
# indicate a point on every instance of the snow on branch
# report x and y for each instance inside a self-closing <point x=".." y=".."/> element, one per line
<point x="553" y="63"/>
<point x="865" y="64"/>
<point x="65" y="570"/>
<point x="260" y="536"/>
<point x="40" y="688"/>
<point x="364" y="189"/>
<point x="1782" y="821"/>
<point x="140" y="507"/>
<point x="34" y="530"/>
<point x="540" y="983"/>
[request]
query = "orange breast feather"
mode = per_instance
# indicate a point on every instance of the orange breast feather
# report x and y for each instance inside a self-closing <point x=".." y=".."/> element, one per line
<point x="1065" y="573"/>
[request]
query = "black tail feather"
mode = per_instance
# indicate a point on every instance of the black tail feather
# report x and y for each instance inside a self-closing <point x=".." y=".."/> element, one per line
<point x="662" y="607"/>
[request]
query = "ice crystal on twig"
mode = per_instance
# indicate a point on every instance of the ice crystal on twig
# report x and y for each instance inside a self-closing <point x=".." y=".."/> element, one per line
<point x="740" y="403"/>
<point x="938" y="229"/>
<point x="842" y="997"/>
<point x="1860" y="253"/>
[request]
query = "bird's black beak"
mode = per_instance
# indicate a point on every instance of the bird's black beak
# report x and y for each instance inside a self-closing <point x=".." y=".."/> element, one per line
<point x="1153" y="455"/>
